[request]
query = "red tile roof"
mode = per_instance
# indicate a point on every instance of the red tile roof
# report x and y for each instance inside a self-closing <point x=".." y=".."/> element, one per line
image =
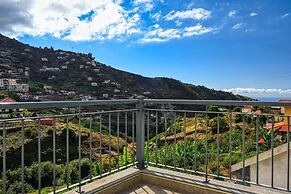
<point x="8" y="99"/>
<point x="284" y="129"/>
<point x="46" y="121"/>
<point x="279" y="127"/>
<point x="261" y="141"/>
<point x="284" y="100"/>
<point x="258" y="112"/>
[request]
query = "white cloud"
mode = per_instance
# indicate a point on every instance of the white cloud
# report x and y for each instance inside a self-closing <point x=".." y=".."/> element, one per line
<point x="150" y="40"/>
<point x="253" y="14"/>
<point x="107" y="24"/>
<point x="156" y="16"/>
<point x="196" y="30"/>
<point x="195" y="14"/>
<point x="14" y="15"/>
<point x="232" y="13"/>
<point x="158" y="34"/>
<point x="238" y="26"/>
<point x="260" y="91"/>
<point x="61" y="19"/>
<point x="147" y="5"/>
<point x="87" y="20"/>
<point x="285" y="15"/>
<point x="155" y="26"/>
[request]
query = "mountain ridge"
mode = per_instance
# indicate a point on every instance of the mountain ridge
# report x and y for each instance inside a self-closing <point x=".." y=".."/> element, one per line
<point x="58" y="74"/>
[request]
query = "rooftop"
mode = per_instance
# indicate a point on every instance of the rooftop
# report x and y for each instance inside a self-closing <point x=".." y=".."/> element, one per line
<point x="6" y="100"/>
<point x="279" y="127"/>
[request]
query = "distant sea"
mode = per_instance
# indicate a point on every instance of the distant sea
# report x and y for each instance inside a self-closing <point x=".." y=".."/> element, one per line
<point x="272" y="99"/>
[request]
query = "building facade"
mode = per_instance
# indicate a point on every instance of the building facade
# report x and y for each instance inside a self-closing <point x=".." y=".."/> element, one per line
<point x="11" y="85"/>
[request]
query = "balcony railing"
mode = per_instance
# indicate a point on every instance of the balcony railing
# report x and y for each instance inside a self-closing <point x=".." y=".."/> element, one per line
<point x="59" y="146"/>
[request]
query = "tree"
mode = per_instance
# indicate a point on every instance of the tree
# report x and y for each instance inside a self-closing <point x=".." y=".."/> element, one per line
<point x="238" y="118"/>
<point x="265" y="109"/>
<point x="16" y="187"/>
<point x="266" y="135"/>
<point x="73" y="137"/>
<point x="223" y="125"/>
<point x="212" y="108"/>
<point x="262" y="119"/>
<point x="237" y="109"/>
<point x="248" y="119"/>
<point x="14" y="96"/>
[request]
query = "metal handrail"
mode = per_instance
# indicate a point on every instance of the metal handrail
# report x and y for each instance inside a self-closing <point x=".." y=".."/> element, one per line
<point x="141" y="124"/>
<point x="56" y="104"/>
<point x="215" y="102"/>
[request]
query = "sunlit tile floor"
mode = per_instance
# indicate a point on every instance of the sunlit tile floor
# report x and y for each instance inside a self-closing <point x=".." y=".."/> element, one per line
<point x="148" y="189"/>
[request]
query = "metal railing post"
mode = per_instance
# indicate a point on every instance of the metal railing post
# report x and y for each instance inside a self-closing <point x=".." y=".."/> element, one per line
<point x="140" y="135"/>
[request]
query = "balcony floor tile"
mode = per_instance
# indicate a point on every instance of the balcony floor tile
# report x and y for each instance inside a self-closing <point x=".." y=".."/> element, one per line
<point x="145" y="188"/>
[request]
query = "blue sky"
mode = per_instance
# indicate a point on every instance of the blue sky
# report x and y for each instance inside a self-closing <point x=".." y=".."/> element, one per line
<point x="240" y="46"/>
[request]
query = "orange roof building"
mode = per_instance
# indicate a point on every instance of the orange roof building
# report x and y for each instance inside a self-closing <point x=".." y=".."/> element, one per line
<point x="286" y="110"/>
<point x="284" y="100"/>
<point x="46" y="121"/>
<point x="279" y="127"/>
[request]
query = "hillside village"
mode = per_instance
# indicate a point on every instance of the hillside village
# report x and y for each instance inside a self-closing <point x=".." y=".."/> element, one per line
<point x="47" y="74"/>
<point x="16" y="79"/>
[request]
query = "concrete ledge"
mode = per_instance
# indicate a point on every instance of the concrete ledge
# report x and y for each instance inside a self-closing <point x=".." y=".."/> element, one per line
<point x="262" y="156"/>
<point x="217" y="185"/>
<point x="107" y="182"/>
<point x="157" y="180"/>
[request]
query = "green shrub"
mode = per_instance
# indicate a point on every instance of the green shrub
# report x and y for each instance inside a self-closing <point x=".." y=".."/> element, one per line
<point x="74" y="169"/>
<point x="238" y="118"/>
<point x="212" y="108"/>
<point x="122" y="158"/>
<point x="178" y="125"/>
<point x="262" y="119"/>
<point x="85" y="123"/>
<point x="248" y="119"/>
<point x="85" y="167"/>
<point x="47" y="174"/>
<point x="49" y="130"/>
<point x="15" y="175"/>
<point x="16" y="187"/>
<point x="1" y="186"/>
<point x="35" y="86"/>
<point x="237" y="109"/>
<point x="73" y="137"/>
<point x="30" y="132"/>
<point x="223" y="125"/>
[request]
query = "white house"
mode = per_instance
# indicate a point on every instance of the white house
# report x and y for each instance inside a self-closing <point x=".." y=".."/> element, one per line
<point x="116" y="91"/>
<point x="94" y="84"/>
<point x="105" y="95"/>
<point x="106" y="81"/>
<point x="44" y="59"/>
<point x="1" y="83"/>
<point x="12" y="85"/>
<point x="18" y="88"/>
